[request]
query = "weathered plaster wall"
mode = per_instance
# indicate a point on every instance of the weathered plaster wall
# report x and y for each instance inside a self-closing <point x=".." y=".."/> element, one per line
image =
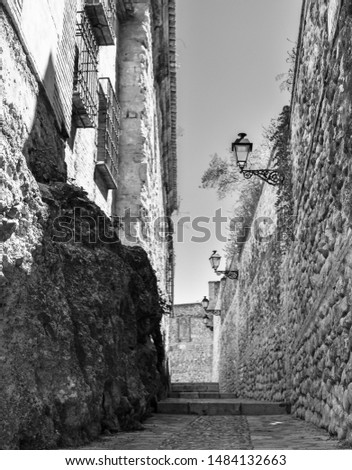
<point x="81" y="151"/>
<point x="51" y="59"/>
<point x="50" y="155"/>
<point x="190" y="345"/>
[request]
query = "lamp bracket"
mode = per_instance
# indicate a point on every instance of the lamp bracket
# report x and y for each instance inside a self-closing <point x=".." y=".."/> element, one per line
<point x="230" y="274"/>
<point x="273" y="177"/>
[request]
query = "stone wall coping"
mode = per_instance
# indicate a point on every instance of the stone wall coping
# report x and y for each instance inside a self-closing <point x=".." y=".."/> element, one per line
<point x="188" y="304"/>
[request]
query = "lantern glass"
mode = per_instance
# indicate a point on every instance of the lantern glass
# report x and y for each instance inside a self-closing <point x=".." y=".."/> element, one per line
<point x="205" y="303"/>
<point x="242" y="148"/>
<point x="215" y="260"/>
<point x="206" y="319"/>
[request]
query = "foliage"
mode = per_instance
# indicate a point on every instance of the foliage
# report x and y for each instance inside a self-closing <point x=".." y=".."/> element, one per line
<point x="164" y="303"/>
<point x="282" y="158"/>
<point x="288" y="77"/>
<point x="220" y="175"/>
<point x="242" y="217"/>
<point x="224" y="176"/>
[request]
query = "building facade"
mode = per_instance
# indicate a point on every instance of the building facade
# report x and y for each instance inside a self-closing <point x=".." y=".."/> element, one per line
<point x="87" y="187"/>
<point x="193" y="339"/>
<point x="189" y="345"/>
<point x="94" y="86"/>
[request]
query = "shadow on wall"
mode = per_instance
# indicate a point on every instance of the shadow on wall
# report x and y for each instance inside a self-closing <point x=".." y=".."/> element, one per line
<point x="44" y="148"/>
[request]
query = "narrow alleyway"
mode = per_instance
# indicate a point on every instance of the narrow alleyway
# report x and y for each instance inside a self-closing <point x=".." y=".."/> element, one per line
<point x="255" y="430"/>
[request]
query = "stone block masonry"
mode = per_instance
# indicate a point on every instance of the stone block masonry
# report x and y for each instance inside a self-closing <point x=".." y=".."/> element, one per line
<point x="318" y="266"/>
<point x="252" y="334"/>
<point x="287" y="324"/>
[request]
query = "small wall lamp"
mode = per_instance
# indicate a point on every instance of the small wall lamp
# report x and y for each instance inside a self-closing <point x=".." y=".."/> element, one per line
<point x="242" y="147"/>
<point x="208" y="322"/>
<point x="205" y="303"/>
<point x="215" y="259"/>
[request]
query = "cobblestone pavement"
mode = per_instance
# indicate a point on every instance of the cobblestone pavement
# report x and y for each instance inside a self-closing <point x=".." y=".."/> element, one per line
<point x="187" y="432"/>
<point x="286" y="432"/>
<point x="157" y="429"/>
<point x="212" y="432"/>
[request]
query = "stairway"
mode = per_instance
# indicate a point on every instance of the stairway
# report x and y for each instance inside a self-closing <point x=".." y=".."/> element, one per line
<point x="204" y="398"/>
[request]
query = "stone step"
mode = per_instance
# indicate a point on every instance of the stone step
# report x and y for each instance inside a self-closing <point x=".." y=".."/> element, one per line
<point x="195" y="387"/>
<point x="201" y="395"/>
<point x="224" y="406"/>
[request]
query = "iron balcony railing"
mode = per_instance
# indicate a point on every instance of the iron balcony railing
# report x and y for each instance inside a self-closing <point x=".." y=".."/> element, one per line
<point x="85" y="93"/>
<point x="102" y="15"/>
<point x="108" y="133"/>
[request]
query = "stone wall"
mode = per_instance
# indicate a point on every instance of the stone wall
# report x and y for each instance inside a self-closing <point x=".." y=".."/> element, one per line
<point x="52" y="59"/>
<point x="252" y="335"/>
<point x="216" y="348"/>
<point x="318" y="266"/>
<point x="190" y="345"/>
<point x="147" y="179"/>
<point x="287" y="323"/>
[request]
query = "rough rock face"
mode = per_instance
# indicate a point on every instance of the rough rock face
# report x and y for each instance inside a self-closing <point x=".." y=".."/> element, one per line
<point x="82" y="349"/>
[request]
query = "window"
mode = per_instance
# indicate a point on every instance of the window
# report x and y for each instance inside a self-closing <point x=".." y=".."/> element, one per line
<point x="85" y="97"/>
<point x="108" y="133"/>
<point x="184" y="330"/>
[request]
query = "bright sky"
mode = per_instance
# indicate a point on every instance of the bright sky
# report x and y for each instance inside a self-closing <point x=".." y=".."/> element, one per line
<point x="229" y="53"/>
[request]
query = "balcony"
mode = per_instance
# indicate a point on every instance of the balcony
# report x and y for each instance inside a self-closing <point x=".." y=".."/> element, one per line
<point x="85" y="82"/>
<point x="108" y="134"/>
<point x="102" y="15"/>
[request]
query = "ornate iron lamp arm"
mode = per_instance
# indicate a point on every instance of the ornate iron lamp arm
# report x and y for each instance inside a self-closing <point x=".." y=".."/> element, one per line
<point x="273" y="177"/>
<point x="230" y="274"/>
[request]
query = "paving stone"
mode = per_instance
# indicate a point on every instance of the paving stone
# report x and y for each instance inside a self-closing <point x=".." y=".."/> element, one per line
<point x="223" y="424"/>
<point x="156" y="430"/>
<point x="187" y="432"/>
<point x="286" y="432"/>
<point x="211" y="433"/>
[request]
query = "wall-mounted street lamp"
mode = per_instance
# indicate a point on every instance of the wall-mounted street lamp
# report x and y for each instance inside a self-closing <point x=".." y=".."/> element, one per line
<point x="205" y="303"/>
<point x="215" y="259"/>
<point x="208" y="322"/>
<point x="242" y="147"/>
